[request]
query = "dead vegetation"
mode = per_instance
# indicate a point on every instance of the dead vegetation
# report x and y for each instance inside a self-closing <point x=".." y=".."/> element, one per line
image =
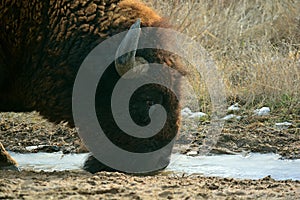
<point x="255" y="44"/>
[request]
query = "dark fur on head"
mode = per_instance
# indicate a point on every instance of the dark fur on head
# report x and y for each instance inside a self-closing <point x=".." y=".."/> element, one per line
<point x="42" y="45"/>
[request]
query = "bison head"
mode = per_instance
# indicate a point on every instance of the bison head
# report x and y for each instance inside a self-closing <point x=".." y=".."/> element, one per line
<point x="142" y="102"/>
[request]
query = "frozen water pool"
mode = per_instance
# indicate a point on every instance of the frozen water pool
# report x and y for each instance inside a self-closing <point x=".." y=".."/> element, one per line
<point x="252" y="166"/>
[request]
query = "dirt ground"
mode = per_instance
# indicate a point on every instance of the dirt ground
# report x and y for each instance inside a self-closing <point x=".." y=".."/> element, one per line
<point x="255" y="134"/>
<point x="105" y="185"/>
<point x="250" y="134"/>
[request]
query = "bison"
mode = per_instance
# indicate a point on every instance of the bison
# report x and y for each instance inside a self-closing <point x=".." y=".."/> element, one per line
<point x="42" y="45"/>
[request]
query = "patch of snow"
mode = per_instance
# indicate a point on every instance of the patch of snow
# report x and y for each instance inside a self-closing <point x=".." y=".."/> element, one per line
<point x="283" y="125"/>
<point x="31" y="148"/>
<point x="198" y="115"/>
<point x="234" y="107"/>
<point x="187" y="113"/>
<point x="192" y="153"/>
<point x="231" y="116"/>
<point x="262" y="111"/>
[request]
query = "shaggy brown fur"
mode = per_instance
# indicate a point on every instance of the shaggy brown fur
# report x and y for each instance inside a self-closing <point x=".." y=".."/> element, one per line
<point x="43" y="43"/>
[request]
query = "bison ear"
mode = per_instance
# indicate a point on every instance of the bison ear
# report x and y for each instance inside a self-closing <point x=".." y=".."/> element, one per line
<point x="127" y="61"/>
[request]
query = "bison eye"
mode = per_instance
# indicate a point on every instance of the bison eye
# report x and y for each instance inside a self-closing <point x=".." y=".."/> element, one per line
<point x="150" y="103"/>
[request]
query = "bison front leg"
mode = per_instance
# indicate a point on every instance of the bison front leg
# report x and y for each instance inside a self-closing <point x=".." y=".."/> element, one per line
<point x="6" y="161"/>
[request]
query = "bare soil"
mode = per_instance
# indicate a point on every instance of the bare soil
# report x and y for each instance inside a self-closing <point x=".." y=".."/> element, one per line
<point x="250" y="134"/>
<point x="105" y="185"/>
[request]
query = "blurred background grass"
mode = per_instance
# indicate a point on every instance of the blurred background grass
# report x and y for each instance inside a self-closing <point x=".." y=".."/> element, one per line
<point x="255" y="44"/>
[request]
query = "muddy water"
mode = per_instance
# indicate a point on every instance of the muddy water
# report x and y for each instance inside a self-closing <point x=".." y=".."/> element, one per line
<point x="252" y="166"/>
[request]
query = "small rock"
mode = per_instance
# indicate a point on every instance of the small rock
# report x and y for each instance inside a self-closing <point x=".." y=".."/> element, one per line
<point x="165" y="194"/>
<point x="213" y="187"/>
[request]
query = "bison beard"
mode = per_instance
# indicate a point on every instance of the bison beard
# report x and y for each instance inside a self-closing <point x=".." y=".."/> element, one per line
<point x="42" y="45"/>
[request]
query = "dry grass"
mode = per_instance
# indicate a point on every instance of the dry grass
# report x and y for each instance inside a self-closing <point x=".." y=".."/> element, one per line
<point x="256" y="45"/>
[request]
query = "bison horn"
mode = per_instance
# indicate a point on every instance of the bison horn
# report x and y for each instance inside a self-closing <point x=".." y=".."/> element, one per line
<point x="126" y="61"/>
